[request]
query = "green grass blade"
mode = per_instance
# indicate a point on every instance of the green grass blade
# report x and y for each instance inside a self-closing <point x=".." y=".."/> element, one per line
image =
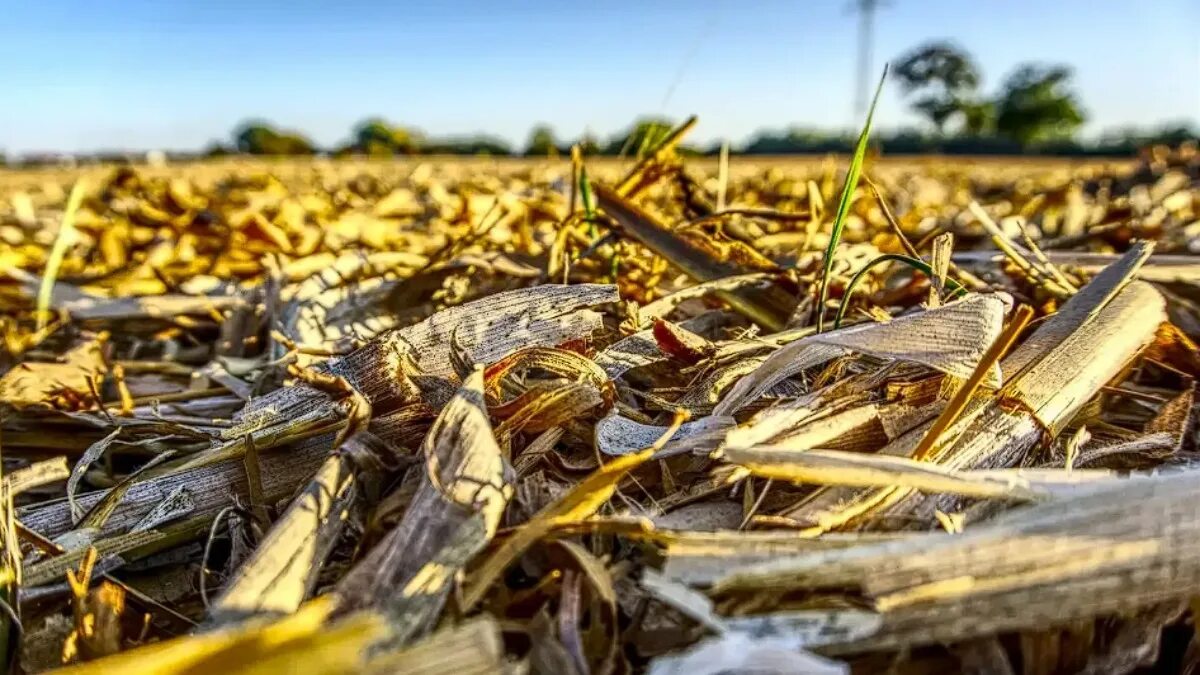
<point x="64" y="240"/>
<point x="957" y="290"/>
<point x="589" y="201"/>
<point x="843" y="209"/>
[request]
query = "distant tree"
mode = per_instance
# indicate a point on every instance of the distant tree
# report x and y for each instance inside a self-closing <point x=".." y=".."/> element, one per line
<point x="937" y="109"/>
<point x="407" y="140"/>
<point x="541" y="142"/>
<point x="938" y="63"/>
<point x="797" y="140"/>
<point x="486" y="146"/>
<point x="907" y="142"/>
<point x="295" y="144"/>
<point x="1129" y="140"/>
<point x="589" y="144"/>
<point x="376" y="137"/>
<point x="944" y="79"/>
<point x="480" y="145"/>
<point x="1176" y="133"/>
<point x="216" y="149"/>
<point x="345" y="150"/>
<point x="253" y="138"/>
<point x="259" y="138"/>
<point x="979" y="116"/>
<point x="1036" y="105"/>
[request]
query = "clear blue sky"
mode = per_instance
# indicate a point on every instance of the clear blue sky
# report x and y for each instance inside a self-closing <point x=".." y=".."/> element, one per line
<point x="79" y="75"/>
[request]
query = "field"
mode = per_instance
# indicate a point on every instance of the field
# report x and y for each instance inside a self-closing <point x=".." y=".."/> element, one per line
<point x="574" y="415"/>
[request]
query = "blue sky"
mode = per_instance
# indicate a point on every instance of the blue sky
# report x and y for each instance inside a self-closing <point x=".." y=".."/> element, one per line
<point x="80" y="75"/>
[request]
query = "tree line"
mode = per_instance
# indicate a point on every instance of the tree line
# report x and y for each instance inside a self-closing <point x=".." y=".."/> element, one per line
<point x="386" y="141"/>
<point x="1034" y="111"/>
<point x="376" y="137"/>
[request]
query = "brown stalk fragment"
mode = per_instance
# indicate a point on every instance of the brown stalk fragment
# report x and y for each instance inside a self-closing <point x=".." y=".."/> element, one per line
<point x="455" y="512"/>
<point x="211" y="487"/>
<point x="959" y="401"/>
<point x="833" y="467"/>
<point x="70" y="385"/>
<point x="1158" y="268"/>
<point x="666" y="148"/>
<point x="473" y="647"/>
<point x="770" y="309"/>
<point x="282" y="571"/>
<point x="681" y="343"/>
<point x="581" y="502"/>
<point x="1051" y="375"/>
<point x="489" y="328"/>
<point x="1126" y="545"/>
<point x="220" y="327"/>
<point x="47" y="471"/>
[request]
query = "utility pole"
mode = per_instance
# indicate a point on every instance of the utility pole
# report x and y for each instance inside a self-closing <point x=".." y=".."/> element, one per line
<point x="866" y="16"/>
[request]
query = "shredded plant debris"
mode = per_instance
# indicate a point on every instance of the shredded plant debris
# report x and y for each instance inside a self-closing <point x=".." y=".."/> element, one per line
<point x="590" y="416"/>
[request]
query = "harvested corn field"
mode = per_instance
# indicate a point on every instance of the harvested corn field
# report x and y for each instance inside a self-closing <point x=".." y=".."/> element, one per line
<point x="592" y="416"/>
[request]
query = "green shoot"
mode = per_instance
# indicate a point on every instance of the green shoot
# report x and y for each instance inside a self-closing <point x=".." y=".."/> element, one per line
<point x="653" y="137"/>
<point x="589" y="201"/>
<point x="843" y="209"/>
<point x="589" y="209"/>
<point x="957" y="289"/>
<point x="64" y="240"/>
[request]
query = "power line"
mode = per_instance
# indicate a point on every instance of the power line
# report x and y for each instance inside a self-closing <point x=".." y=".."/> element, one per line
<point x="866" y="38"/>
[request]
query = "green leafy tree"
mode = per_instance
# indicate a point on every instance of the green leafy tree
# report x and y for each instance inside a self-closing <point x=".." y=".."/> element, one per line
<point x="944" y="81"/>
<point x="978" y="116"/>
<point x="254" y="138"/>
<point x="1036" y="105"/>
<point x="937" y="109"/>
<point x="259" y="138"/>
<point x="541" y="142"/>
<point x="480" y="145"/>
<point x="216" y="149"/>
<point x="938" y="63"/>
<point x="295" y="144"/>
<point x="376" y="137"/>
<point x="798" y="139"/>
<point x="589" y="144"/>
